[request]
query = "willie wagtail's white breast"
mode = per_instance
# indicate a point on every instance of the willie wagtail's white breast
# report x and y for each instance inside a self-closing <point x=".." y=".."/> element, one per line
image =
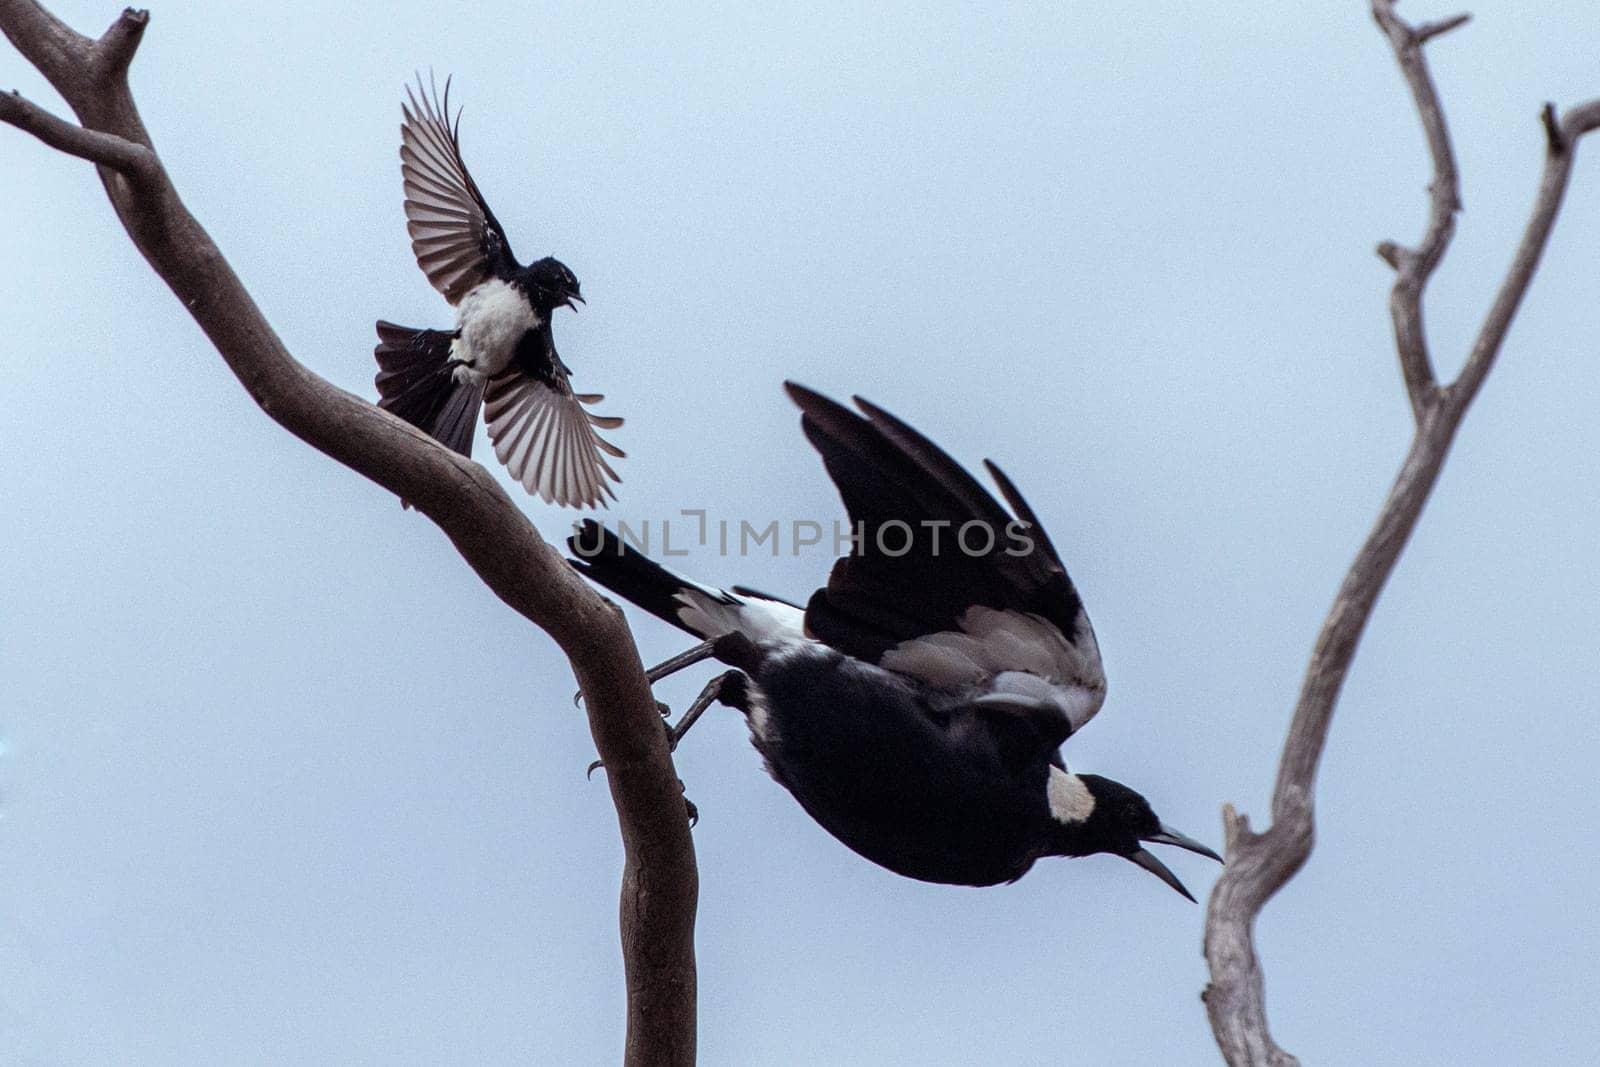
<point x="492" y="318"/>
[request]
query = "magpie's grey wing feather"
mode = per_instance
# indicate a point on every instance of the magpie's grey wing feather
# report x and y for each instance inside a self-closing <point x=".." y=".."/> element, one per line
<point x="457" y="240"/>
<point x="995" y="616"/>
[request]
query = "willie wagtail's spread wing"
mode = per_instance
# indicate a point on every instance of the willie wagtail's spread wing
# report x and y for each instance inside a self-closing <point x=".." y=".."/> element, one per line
<point x="457" y="240"/>
<point x="548" y="442"/>
<point x="943" y="584"/>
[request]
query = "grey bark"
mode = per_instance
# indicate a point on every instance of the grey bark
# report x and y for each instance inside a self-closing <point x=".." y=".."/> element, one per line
<point x="1259" y="864"/>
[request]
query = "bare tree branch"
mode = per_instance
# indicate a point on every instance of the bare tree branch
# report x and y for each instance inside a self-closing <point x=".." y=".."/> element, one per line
<point x="1414" y="268"/>
<point x="660" y="882"/>
<point x="1429" y="30"/>
<point x="115" y="48"/>
<point x="107" y="149"/>
<point x="53" y="47"/>
<point x="1560" y="150"/>
<point x="1259" y="864"/>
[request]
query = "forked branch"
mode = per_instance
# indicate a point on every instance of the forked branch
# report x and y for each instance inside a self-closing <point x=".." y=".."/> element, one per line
<point x="107" y="149"/>
<point x="1259" y="864"/>
<point x="496" y="539"/>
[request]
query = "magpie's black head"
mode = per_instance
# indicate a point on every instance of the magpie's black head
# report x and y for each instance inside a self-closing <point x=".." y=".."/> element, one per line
<point x="551" y="285"/>
<point x="1113" y="818"/>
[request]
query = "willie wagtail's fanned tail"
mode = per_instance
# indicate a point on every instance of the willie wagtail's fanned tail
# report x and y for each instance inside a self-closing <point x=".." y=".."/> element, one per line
<point x="417" y="381"/>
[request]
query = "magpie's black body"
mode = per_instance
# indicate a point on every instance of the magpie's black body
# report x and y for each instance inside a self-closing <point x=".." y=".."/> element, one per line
<point x="848" y="741"/>
<point x="915" y="708"/>
<point x="502" y="352"/>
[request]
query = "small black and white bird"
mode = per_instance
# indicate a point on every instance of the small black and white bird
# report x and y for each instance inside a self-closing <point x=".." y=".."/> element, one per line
<point x="502" y="348"/>
<point x="916" y="706"/>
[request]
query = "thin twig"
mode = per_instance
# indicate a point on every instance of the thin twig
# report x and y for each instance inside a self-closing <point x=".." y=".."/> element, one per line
<point x="1553" y="138"/>
<point x="1260" y="864"/>
<point x="1559" y="157"/>
<point x="1429" y="30"/>
<point x="1414" y="268"/>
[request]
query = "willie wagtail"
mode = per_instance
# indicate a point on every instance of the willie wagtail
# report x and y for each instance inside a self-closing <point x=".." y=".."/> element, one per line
<point x="501" y="349"/>
<point x="916" y="706"/>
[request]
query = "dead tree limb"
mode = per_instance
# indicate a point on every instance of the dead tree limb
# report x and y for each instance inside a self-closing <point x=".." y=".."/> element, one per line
<point x="1259" y="864"/>
<point x="660" y="883"/>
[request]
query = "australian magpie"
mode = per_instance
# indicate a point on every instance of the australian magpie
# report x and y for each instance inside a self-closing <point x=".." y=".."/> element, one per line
<point x="916" y="706"/>
<point x="501" y="349"/>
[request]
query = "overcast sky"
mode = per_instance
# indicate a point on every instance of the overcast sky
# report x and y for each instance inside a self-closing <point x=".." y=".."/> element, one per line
<point x="282" y="782"/>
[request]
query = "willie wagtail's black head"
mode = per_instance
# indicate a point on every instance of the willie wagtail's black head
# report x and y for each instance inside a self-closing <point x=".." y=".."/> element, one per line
<point x="551" y="285"/>
<point x="1115" y="819"/>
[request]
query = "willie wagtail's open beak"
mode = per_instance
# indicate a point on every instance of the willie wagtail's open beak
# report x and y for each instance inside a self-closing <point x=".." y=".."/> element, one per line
<point x="1169" y="836"/>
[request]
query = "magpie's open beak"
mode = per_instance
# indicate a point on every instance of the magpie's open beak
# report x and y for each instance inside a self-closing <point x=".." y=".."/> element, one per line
<point x="570" y="299"/>
<point x="1169" y="836"/>
<point x="1159" y="869"/>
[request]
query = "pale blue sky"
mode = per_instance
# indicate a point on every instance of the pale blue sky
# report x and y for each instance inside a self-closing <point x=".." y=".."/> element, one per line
<point x="281" y="782"/>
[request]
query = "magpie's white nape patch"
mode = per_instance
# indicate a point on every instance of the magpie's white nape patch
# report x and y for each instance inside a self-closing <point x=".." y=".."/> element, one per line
<point x="1070" y="799"/>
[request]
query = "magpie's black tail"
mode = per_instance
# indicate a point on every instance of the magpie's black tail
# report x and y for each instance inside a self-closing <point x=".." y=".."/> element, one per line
<point x="608" y="560"/>
<point x="417" y="381"/>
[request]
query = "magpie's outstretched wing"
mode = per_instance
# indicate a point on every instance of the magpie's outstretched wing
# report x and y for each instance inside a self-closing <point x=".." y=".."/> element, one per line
<point x="942" y="583"/>
<point x="457" y="240"/>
